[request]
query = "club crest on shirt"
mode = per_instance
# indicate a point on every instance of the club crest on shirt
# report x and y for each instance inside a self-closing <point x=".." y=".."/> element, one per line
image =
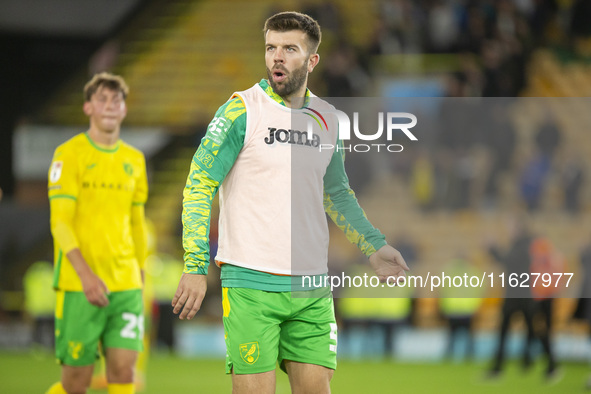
<point x="249" y="352"/>
<point x="128" y="168"/>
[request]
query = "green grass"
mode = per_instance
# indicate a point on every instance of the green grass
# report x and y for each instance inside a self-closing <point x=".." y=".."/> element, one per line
<point x="34" y="372"/>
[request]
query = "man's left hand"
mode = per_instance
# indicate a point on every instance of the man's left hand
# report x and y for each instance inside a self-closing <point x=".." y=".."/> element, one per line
<point x="388" y="262"/>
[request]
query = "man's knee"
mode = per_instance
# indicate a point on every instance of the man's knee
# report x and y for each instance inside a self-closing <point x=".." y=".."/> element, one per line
<point x="120" y="373"/>
<point x="262" y="383"/>
<point x="308" y="378"/>
<point x="76" y="380"/>
<point x="120" y="365"/>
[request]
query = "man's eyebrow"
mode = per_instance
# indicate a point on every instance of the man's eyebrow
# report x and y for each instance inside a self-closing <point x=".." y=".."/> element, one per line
<point x="284" y="45"/>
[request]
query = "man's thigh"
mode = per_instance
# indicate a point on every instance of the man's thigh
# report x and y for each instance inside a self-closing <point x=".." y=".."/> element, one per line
<point x="124" y="328"/>
<point x="310" y="335"/>
<point x="308" y="378"/>
<point x="251" y="324"/>
<point x="260" y="383"/>
<point x="78" y="328"/>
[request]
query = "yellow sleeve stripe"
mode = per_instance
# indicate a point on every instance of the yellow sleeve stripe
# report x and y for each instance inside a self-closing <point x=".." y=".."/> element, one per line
<point x="351" y="233"/>
<point x="235" y="108"/>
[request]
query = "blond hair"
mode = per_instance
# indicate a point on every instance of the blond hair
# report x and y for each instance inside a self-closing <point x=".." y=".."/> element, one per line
<point x="107" y="80"/>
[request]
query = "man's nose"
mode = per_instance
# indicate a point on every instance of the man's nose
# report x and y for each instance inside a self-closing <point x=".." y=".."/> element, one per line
<point x="111" y="104"/>
<point x="278" y="56"/>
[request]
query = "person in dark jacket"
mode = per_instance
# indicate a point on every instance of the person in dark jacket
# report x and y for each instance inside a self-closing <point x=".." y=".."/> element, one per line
<point x="516" y="262"/>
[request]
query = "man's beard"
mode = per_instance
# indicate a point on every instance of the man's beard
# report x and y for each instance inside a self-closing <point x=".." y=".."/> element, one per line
<point x="294" y="81"/>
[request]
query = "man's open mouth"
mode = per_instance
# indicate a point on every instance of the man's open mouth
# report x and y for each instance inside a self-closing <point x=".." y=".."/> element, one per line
<point x="279" y="76"/>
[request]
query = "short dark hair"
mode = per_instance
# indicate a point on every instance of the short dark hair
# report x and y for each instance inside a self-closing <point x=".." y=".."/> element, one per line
<point x="291" y="20"/>
<point x="109" y="81"/>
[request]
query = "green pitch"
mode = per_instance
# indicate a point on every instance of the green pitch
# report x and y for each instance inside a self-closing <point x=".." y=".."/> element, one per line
<point x="33" y="373"/>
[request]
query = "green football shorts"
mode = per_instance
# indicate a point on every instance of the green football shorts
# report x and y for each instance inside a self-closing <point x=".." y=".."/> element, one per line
<point x="80" y="326"/>
<point x="263" y="328"/>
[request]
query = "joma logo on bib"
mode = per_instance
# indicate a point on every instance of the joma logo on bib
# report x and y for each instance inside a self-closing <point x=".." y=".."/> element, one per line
<point x="292" y="137"/>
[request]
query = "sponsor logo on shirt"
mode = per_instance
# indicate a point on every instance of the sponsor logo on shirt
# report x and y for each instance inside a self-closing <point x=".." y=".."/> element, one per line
<point x="204" y="157"/>
<point x="218" y="129"/>
<point x="295" y="137"/>
<point x="107" y="185"/>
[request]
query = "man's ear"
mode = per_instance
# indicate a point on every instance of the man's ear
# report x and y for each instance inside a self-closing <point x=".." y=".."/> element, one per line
<point x="313" y="61"/>
<point x="87" y="108"/>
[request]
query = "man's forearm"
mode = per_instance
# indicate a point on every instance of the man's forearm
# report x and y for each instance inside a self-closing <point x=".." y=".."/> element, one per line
<point x="345" y="212"/>
<point x="196" y="217"/>
<point x="139" y="234"/>
<point x="79" y="264"/>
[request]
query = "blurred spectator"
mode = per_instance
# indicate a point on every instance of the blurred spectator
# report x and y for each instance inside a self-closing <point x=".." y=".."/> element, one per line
<point x="515" y="261"/>
<point x="506" y="18"/>
<point x="442" y="27"/>
<point x="367" y="310"/>
<point x="583" y="310"/>
<point x="399" y="29"/>
<point x="548" y="137"/>
<point x="327" y="14"/>
<point x="581" y="15"/>
<point x="443" y="178"/>
<point x="459" y="305"/>
<point x="422" y="183"/>
<point x="471" y="75"/>
<point x="580" y="28"/>
<point x="381" y="41"/>
<point x="545" y="262"/>
<point x="497" y="82"/>
<point x="573" y="177"/>
<point x="500" y="138"/>
<point x="533" y="180"/>
<point x="518" y="261"/>
<point x="40" y="302"/>
<point x="464" y="175"/>
<point x="164" y="273"/>
<point x="475" y="30"/>
<point x="344" y="76"/>
<point x="543" y="13"/>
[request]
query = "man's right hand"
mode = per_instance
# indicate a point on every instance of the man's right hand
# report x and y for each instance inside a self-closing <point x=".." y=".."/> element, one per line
<point x="189" y="295"/>
<point x="95" y="290"/>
